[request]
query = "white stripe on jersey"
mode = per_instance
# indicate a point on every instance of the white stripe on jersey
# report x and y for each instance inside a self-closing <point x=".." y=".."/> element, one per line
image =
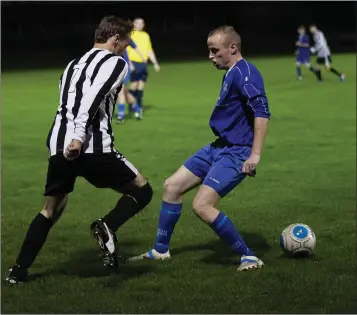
<point x="88" y="90"/>
<point x="321" y="46"/>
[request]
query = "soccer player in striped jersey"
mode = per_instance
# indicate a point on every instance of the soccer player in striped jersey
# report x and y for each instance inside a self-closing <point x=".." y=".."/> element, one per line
<point x="323" y="52"/>
<point x="240" y="121"/>
<point x="140" y="73"/>
<point x="303" y="52"/>
<point x="81" y="143"/>
<point x="124" y="95"/>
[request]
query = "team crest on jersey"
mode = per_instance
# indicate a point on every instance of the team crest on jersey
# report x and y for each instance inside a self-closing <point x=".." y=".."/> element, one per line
<point x="225" y="87"/>
<point x="224" y="90"/>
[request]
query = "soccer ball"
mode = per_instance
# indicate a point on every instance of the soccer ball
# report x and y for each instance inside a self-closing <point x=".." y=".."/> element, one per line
<point x="298" y="239"/>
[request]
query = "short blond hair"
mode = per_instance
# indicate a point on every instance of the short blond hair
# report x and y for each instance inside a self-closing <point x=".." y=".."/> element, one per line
<point x="229" y="32"/>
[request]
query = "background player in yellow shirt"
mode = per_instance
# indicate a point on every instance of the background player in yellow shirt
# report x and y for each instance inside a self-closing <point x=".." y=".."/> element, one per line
<point x="140" y="73"/>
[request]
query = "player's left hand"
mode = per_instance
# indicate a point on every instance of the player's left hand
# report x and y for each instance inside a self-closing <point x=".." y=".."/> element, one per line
<point x="156" y="67"/>
<point x="312" y="50"/>
<point x="73" y="150"/>
<point x="250" y="165"/>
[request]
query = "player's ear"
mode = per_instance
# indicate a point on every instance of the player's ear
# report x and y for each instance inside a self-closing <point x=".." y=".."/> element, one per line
<point x="116" y="39"/>
<point x="233" y="48"/>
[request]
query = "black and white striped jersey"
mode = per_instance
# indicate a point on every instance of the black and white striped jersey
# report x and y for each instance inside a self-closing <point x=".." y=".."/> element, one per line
<point x="89" y="87"/>
<point x="321" y="47"/>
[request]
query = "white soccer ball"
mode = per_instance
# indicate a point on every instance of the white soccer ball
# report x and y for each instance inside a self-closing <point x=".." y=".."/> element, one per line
<point x="298" y="239"/>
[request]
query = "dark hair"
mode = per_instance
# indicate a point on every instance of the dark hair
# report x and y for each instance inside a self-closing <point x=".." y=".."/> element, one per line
<point x="109" y="26"/>
<point x="230" y="32"/>
<point x="301" y="27"/>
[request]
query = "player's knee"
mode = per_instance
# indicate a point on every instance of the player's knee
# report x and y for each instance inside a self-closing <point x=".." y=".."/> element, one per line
<point x="142" y="195"/>
<point x="171" y="188"/>
<point x="200" y="206"/>
<point x="141" y="85"/>
<point x="133" y="85"/>
<point x="139" y="180"/>
<point x="54" y="207"/>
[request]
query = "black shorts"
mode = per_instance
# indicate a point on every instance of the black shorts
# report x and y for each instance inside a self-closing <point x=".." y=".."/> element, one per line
<point x="324" y="60"/>
<point x="109" y="170"/>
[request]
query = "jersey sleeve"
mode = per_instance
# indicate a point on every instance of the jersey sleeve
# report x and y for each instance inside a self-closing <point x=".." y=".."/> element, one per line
<point x="149" y="48"/>
<point x="110" y="75"/>
<point x="252" y="89"/>
<point x="132" y="44"/>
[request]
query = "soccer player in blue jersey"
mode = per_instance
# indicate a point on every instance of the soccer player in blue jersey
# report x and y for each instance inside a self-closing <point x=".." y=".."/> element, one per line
<point x="303" y="54"/>
<point x="239" y="120"/>
<point x="124" y="95"/>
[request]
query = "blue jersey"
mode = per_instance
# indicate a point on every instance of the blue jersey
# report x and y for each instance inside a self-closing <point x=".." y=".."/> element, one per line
<point x="125" y="53"/>
<point x="304" y="39"/>
<point x="242" y="98"/>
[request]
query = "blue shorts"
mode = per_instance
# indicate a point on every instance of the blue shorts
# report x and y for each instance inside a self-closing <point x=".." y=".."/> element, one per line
<point x="219" y="167"/>
<point x="303" y="59"/>
<point x="140" y="73"/>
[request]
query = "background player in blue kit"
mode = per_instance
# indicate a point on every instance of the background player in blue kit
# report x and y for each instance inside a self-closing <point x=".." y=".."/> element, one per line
<point x="124" y="95"/>
<point x="303" y="54"/>
<point x="239" y="120"/>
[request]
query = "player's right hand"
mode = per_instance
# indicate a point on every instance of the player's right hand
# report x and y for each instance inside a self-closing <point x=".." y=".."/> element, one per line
<point x="156" y="67"/>
<point x="73" y="150"/>
<point x="250" y="165"/>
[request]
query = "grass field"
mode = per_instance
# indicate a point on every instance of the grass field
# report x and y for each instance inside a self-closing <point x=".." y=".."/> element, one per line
<point x="307" y="174"/>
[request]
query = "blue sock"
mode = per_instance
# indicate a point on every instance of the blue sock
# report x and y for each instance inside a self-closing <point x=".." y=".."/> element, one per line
<point x="139" y="98"/>
<point x="169" y="215"/>
<point x="226" y="230"/>
<point x="136" y="108"/>
<point x="133" y="107"/>
<point x="121" y="110"/>
<point x="298" y="71"/>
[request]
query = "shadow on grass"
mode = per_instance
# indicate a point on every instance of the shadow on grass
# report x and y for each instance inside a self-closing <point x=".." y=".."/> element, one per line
<point x="222" y="254"/>
<point x="302" y="256"/>
<point x="87" y="263"/>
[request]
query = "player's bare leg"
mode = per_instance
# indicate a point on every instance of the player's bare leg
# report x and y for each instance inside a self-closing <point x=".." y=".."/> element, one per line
<point x="133" y="90"/>
<point x="130" y="99"/>
<point x="121" y="106"/>
<point x="139" y="97"/>
<point x="298" y="71"/>
<point x="174" y="189"/>
<point x="136" y="196"/>
<point x="36" y="237"/>
<point x="318" y="73"/>
<point x="312" y="69"/>
<point x="205" y="207"/>
<point x="330" y="68"/>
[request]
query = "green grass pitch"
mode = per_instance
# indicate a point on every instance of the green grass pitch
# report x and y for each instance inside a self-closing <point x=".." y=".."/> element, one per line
<point x="307" y="174"/>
